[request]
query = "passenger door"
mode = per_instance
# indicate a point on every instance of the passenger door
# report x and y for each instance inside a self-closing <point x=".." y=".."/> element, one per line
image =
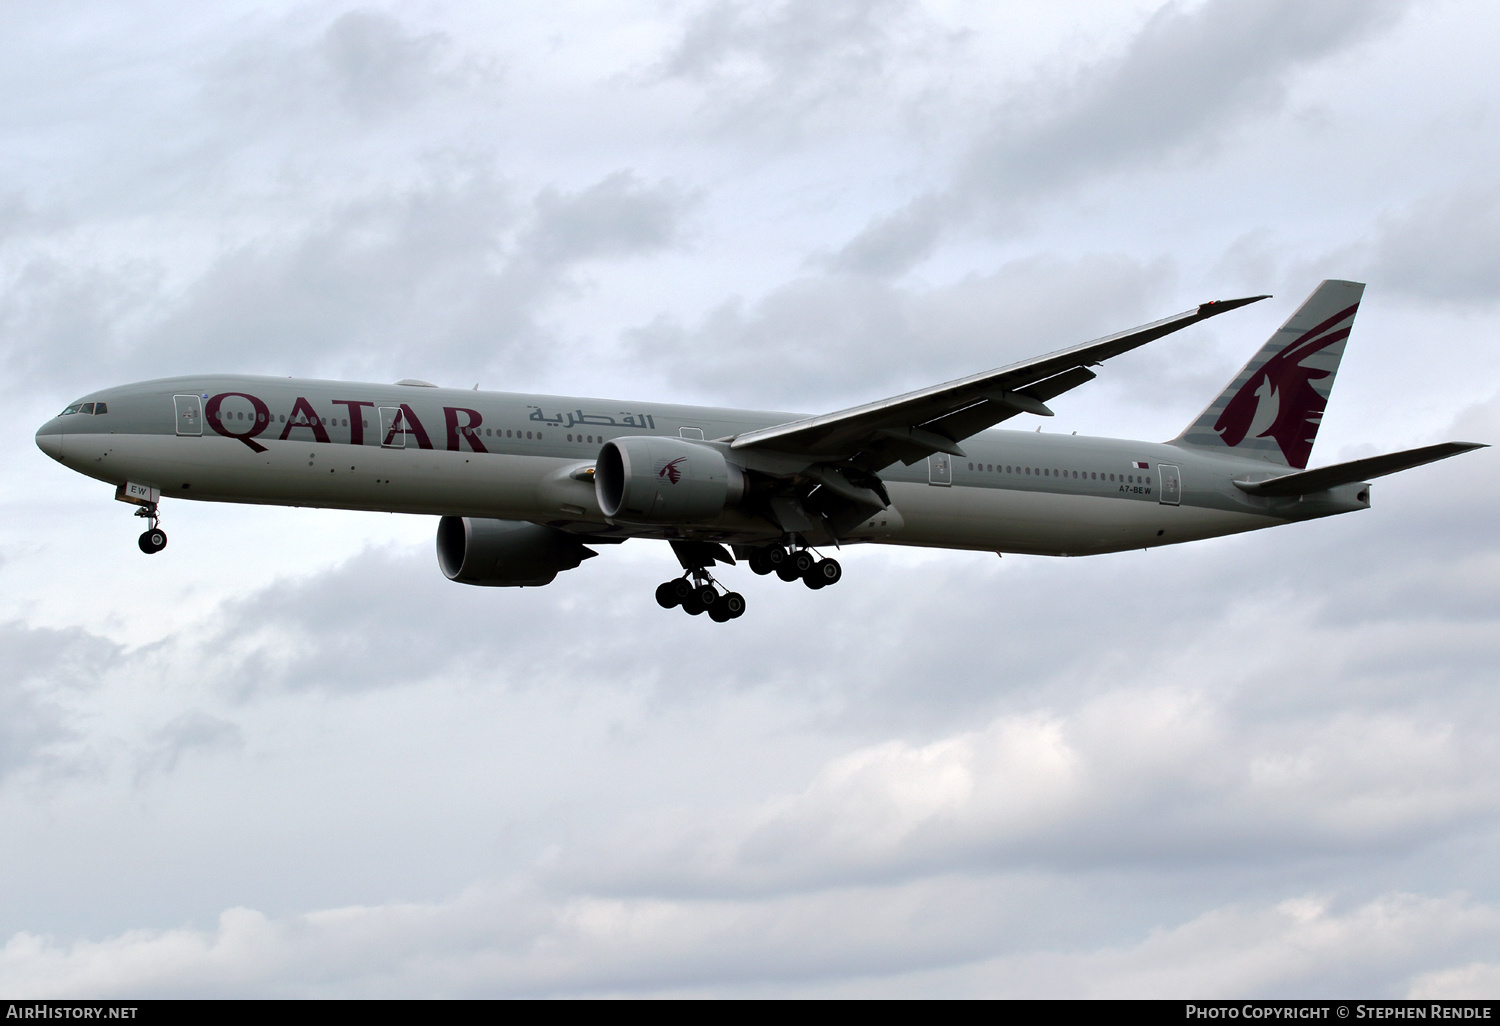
<point x="940" y="469"/>
<point x="392" y="428"/>
<point x="189" y="414"/>
<point x="1171" y="485"/>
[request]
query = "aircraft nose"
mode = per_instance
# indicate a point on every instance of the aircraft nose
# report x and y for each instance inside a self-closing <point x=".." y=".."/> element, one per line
<point x="49" y="439"/>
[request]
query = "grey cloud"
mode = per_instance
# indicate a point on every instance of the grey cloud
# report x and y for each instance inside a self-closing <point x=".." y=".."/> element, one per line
<point x="396" y="283"/>
<point x="365" y="64"/>
<point x="41" y="665"/>
<point x="191" y="731"/>
<point x="1445" y="248"/>
<point x="772" y="68"/>
<point x="797" y="37"/>
<point x="841" y="339"/>
<point x="1189" y="77"/>
<point x="617" y="216"/>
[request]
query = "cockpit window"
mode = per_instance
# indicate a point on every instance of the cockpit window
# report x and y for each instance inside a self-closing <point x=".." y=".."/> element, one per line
<point x="86" y="408"/>
<point x="71" y="409"/>
<point x="100" y="408"/>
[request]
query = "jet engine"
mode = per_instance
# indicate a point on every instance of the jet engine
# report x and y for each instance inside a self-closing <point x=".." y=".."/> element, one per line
<point x="642" y="479"/>
<point x="505" y="553"/>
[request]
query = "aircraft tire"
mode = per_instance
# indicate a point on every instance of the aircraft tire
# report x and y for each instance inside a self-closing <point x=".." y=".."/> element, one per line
<point x="691" y="605"/>
<point x="760" y="563"/>
<point x="827" y="571"/>
<point x="718" y="613"/>
<point x="787" y="571"/>
<point x="803" y="562"/>
<point x="666" y="595"/>
<point x="708" y="596"/>
<point x="152" y="541"/>
<point x="733" y="604"/>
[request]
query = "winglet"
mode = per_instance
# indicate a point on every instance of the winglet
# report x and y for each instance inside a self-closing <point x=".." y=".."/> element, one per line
<point x="1217" y="306"/>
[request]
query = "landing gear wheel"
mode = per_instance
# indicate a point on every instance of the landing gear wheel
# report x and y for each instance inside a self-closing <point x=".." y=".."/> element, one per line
<point x="823" y="573"/>
<point x="760" y="563"/>
<point x="666" y="595"/>
<point x="692" y="605"/>
<point x="708" y="596"/>
<point x="795" y="565"/>
<point x="153" y="541"/>
<point x="719" y="613"/>
<point x="733" y="605"/>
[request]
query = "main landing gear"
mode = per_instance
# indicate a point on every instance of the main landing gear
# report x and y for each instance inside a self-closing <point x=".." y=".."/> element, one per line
<point x="153" y="539"/>
<point x="796" y="564"/>
<point x="696" y="592"/>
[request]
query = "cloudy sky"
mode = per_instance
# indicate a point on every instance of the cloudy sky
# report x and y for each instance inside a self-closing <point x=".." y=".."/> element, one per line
<point x="286" y="757"/>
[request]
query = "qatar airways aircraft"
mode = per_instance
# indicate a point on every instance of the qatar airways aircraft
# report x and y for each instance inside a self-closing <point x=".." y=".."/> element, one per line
<point x="524" y="484"/>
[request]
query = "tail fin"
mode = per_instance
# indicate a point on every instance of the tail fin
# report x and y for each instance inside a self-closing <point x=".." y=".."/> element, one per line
<point x="1272" y="408"/>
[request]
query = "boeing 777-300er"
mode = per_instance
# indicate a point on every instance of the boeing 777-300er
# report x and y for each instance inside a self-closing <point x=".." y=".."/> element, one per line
<point x="524" y="484"/>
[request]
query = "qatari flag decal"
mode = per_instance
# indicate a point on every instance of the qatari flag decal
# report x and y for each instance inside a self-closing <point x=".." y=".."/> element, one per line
<point x="1138" y="465"/>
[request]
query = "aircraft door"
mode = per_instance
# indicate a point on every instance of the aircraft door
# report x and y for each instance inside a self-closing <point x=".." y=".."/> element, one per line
<point x="940" y="469"/>
<point x="189" y="414"/>
<point x="1171" y="485"/>
<point x="392" y="428"/>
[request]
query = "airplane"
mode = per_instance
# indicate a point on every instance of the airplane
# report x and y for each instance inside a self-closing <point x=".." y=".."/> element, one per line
<point x="524" y="484"/>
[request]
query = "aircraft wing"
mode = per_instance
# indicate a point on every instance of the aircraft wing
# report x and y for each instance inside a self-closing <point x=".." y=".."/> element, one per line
<point x="913" y="426"/>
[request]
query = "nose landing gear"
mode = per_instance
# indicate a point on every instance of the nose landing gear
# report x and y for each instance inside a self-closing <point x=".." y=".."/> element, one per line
<point x="153" y="539"/>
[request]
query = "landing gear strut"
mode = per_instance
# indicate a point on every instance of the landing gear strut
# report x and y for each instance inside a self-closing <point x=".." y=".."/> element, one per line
<point x="153" y="539"/>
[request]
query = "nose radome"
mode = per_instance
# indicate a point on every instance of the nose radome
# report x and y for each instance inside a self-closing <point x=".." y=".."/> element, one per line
<point x="50" y="440"/>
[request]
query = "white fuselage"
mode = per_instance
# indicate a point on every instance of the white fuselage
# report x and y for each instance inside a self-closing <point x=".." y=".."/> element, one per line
<point x="521" y="457"/>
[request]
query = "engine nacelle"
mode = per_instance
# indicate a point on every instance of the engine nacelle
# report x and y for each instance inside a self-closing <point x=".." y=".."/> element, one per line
<point x="642" y="479"/>
<point x="505" y="553"/>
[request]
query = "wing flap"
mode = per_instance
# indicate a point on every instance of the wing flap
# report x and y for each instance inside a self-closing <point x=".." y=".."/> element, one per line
<point x="1323" y="478"/>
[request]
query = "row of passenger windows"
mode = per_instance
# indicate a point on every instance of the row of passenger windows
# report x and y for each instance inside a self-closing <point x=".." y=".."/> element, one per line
<point x="93" y="408"/>
<point x="1088" y="475"/>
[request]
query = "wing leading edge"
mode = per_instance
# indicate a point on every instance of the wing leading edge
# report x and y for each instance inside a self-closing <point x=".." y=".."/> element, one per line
<point x="911" y="427"/>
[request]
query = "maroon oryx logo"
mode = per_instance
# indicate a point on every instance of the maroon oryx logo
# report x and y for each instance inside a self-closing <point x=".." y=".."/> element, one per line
<point x="671" y="470"/>
<point x="1279" y="400"/>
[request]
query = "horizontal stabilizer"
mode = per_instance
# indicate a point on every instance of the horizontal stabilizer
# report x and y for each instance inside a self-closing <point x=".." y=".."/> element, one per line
<point x="1308" y="481"/>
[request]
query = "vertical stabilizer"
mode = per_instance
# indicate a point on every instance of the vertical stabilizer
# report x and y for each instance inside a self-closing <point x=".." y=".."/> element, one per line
<point x="1272" y="408"/>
